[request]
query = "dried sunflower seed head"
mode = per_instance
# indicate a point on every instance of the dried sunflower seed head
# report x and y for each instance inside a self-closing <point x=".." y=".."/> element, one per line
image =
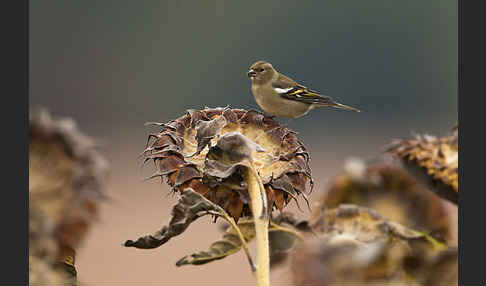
<point x="356" y="246"/>
<point x="384" y="185"/>
<point x="204" y="150"/>
<point x="66" y="184"/>
<point x="66" y="175"/>
<point x="433" y="161"/>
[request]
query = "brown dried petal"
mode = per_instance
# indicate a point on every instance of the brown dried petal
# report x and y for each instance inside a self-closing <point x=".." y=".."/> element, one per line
<point x="207" y="130"/>
<point x="279" y="200"/>
<point x="284" y="184"/>
<point x="185" y="174"/>
<point x="170" y="165"/>
<point x="253" y="117"/>
<point x="197" y="116"/>
<point x="230" y="115"/>
<point x="298" y="181"/>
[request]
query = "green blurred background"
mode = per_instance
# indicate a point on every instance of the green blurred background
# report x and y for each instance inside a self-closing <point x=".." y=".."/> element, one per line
<point x="113" y="65"/>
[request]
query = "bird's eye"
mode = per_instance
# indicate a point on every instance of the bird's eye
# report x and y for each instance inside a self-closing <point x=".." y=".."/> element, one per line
<point x="261" y="69"/>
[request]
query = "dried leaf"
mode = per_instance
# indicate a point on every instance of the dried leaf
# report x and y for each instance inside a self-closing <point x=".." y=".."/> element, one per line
<point x="366" y="225"/>
<point x="229" y="244"/>
<point x="206" y="131"/>
<point x="236" y="147"/>
<point x="283" y="233"/>
<point x="190" y="207"/>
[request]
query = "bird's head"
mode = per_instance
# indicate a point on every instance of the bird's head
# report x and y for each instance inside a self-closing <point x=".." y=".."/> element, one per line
<point x="261" y="72"/>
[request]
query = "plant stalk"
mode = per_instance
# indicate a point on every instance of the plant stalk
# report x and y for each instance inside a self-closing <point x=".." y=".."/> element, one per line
<point x="232" y="222"/>
<point x="261" y="220"/>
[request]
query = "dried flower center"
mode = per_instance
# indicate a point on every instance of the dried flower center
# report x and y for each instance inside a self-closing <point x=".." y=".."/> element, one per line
<point x="268" y="163"/>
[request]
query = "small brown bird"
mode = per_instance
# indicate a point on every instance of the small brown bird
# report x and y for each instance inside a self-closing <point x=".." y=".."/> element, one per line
<point x="281" y="96"/>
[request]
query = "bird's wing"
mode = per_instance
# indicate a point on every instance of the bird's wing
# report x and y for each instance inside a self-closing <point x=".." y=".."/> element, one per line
<point x="291" y="90"/>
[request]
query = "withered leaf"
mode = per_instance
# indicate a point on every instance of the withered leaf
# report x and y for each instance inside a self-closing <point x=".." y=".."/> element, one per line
<point x="206" y="131"/>
<point x="229" y="244"/>
<point x="234" y="147"/>
<point x="219" y="170"/>
<point x="283" y="233"/>
<point x="366" y="225"/>
<point x="190" y="207"/>
<point x="225" y="162"/>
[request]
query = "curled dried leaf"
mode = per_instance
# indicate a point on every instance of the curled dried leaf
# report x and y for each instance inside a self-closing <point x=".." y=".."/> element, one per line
<point x="434" y="161"/>
<point x="190" y="207"/>
<point x="365" y="225"/>
<point x="207" y="130"/>
<point x="229" y="244"/>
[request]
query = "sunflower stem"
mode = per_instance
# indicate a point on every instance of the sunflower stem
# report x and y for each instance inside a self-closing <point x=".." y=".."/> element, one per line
<point x="261" y="221"/>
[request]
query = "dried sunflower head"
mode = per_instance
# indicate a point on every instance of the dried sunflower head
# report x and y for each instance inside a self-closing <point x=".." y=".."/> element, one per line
<point x="188" y="151"/>
<point x="386" y="187"/>
<point x="66" y="184"/>
<point x="357" y="246"/>
<point x="433" y="160"/>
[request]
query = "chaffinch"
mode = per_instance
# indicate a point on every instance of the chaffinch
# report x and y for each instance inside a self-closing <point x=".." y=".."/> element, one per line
<point x="281" y="96"/>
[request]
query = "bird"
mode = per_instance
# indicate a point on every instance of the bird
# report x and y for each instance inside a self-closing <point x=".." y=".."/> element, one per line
<point x="281" y="96"/>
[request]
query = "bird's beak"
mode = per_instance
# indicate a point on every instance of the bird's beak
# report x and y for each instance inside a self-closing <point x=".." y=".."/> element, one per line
<point x="251" y="73"/>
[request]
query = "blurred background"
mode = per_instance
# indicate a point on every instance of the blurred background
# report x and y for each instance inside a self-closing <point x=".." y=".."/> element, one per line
<point x="112" y="66"/>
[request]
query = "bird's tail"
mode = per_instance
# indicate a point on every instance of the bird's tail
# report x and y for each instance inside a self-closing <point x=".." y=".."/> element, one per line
<point x="345" y="107"/>
<point x="338" y="105"/>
